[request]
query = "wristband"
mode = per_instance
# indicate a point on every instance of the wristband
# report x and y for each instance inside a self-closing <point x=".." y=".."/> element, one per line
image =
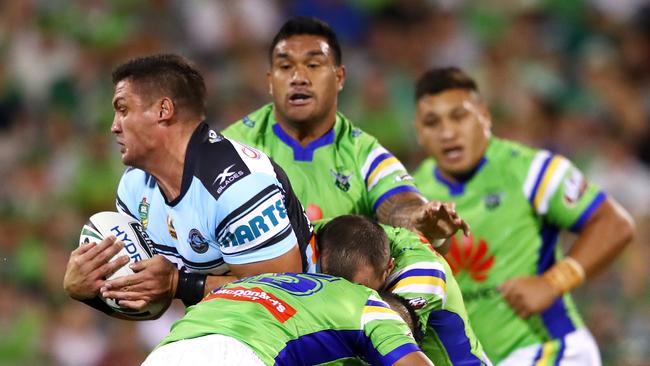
<point x="190" y="287"/>
<point x="565" y="275"/>
<point x="99" y="304"/>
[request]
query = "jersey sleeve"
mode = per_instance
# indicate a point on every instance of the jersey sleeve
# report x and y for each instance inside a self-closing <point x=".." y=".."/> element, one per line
<point x="419" y="274"/>
<point x="557" y="190"/>
<point x="384" y="175"/>
<point x="252" y="221"/>
<point x="124" y="201"/>
<point x="387" y="334"/>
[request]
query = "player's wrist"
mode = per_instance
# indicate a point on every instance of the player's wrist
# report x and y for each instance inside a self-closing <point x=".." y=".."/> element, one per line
<point x="190" y="287"/>
<point x="565" y="275"/>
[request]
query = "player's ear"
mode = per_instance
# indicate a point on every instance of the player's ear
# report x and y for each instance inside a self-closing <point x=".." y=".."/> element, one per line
<point x="389" y="268"/>
<point x="166" y="109"/>
<point x="269" y="82"/>
<point x="340" y="77"/>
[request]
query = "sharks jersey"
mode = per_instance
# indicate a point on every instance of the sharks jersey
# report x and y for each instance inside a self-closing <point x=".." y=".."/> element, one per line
<point x="346" y="171"/>
<point x="516" y="202"/>
<point x="301" y="319"/>
<point x="235" y="206"/>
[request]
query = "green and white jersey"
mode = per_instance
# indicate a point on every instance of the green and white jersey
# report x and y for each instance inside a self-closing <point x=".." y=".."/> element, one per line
<point x="516" y="202"/>
<point x="345" y="171"/>
<point x="423" y="277"/>
<point x="301" y="319"/>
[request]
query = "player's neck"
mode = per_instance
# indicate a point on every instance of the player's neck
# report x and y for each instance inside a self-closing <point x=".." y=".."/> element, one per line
<point x="305" y="132"/>
<point x="168" y="163"/>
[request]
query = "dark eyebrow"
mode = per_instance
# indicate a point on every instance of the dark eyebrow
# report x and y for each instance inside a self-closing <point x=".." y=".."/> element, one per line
<point x="316" y="53"/>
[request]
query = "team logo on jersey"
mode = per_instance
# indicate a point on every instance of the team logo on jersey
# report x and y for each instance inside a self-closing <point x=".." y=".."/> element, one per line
<point x="170" y="227"/>
<point x="214" y="137"/>
<point x="417" y="302"/>
<point x="341" y="180"/>
<point x="248" y="122"/>
<point x="226" y="177"/>
<point x="143" y="211"/>
<point x="197" y="241"/>
<point x="470" y="256"/>
<point x="356" y="132"/>
<point x="251" y="153"/>
<point x="492" y="200"/>
<point x="574" y="187"/>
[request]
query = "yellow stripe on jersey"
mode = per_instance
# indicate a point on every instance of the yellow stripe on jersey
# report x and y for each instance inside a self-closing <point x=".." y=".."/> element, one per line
<point x="371" y="313"/>
<point x="549" y="183"/>
<point x="547" y="352"/>
<point x="421" y="280"/>
<point x="422" y="285"/>
<point x="384" y="168"/>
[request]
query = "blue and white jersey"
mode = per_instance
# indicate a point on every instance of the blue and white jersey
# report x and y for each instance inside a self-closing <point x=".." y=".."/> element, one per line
<point x="235" y="206"/>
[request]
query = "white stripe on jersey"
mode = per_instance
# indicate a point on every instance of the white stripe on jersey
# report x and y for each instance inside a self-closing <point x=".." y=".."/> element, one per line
<point x="423" y="289"/>
<point x="550" y="190"/>
<point x="367" y="317"/>
<point x="534" y="171"/>
<point x="384" y="172"/>
<point x="418" y="265"/>
<point x="373" y="155"/>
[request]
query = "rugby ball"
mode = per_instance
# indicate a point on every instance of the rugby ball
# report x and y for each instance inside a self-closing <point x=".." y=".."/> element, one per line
<point x="137" y="245"/>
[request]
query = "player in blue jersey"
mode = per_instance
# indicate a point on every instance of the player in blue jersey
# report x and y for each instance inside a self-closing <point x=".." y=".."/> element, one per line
<point x="210" y="204"/>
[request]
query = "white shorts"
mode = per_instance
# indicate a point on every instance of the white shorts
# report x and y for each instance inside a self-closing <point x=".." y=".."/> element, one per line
<point x="577" y="348"/>
<point x="213" y="349"/>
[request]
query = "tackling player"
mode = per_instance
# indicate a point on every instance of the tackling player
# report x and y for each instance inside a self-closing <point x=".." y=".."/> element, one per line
<point x="514" y="278"/>
<point x="335" y="168"/>
<point x="291" y="319"/>
<point x="415" y="272"/>
<point x="208" y="203"/>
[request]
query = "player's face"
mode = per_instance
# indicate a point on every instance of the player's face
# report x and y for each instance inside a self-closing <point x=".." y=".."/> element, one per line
<point x="133" y="124"/>
<point x="453" y="127"/>
<point x="304" y="80"/>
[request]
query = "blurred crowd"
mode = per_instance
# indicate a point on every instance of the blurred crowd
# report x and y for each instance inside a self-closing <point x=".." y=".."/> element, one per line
<point x="570" y="76"/>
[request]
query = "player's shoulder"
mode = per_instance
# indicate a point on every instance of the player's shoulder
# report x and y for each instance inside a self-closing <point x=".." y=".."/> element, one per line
<point x="424" y="171"/>
<point x="251" y="125"/>
<point x="135" y="179"/>
<point x="512" y="157"/>
<point x="352" y="135"/>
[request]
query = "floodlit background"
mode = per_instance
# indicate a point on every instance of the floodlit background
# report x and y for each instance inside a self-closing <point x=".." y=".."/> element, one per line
<point x="571" y="76"/>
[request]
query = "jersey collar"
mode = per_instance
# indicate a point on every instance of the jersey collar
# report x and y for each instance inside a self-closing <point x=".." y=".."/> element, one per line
<point x="199" y="135"/>
<point x="458" y="188"/>
<point x="304" y="153"/>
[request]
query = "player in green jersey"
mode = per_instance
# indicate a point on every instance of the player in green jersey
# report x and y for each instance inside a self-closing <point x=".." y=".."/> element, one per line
<point x="296" y="319"/>
<point x="514" y="278"/>
<point x="334" y="167"/>
<point x="415" y="272"/>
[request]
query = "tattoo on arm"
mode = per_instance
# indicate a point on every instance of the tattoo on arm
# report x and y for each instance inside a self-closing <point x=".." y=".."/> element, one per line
<point x="397" y="209"/>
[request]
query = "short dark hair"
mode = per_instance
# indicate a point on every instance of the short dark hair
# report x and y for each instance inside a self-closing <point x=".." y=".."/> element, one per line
<point x="167" y="74"/>
<point x="349" y="241"/>
<point x="404" y="308"/>
<point x="307" y="26"/>
<point x="438" y="80"/>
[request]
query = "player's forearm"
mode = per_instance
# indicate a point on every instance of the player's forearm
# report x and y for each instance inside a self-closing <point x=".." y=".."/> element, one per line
<point x="398" y="210"/>
<point x="603" y="237"/>
<point x="213" y="282"/>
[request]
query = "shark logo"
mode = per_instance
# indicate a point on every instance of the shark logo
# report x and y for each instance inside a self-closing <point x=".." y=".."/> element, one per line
<point x="341" y="180"/>
<point x="224" y="175"/>
<point x="470" y="256"/>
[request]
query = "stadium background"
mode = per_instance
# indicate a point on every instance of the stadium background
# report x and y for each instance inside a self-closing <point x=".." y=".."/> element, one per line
<point x="571" y="76"/>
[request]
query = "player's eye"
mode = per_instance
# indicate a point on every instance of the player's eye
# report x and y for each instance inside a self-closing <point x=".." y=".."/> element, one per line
<point x="431" y="121"/>
<point x="313" y="65"/>
<point x="459" y="113"/>
<point x="284" y="66"/>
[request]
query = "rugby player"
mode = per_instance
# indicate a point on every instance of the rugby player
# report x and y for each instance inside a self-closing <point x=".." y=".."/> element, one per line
<point x="414" y="271"/>
<point x="335" y="168"/>
<point x="514" y="278"/>
<point x="209" y="204"/>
